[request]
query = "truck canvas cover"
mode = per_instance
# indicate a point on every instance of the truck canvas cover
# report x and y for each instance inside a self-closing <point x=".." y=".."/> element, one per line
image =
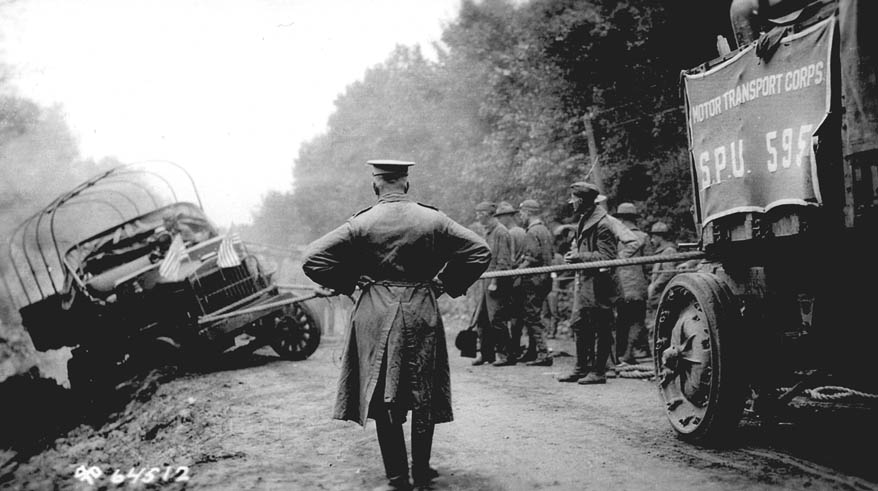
<point x="751" y="121"/>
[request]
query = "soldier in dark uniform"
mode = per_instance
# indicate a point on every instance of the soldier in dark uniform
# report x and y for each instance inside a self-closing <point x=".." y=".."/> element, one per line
<point x="633" y="281"/>
<point x="493" y="310"/>
<point x="662" y="273"/>
<point x="506" y="214"/>
<point x="403" y="254"/>
<point x="538" y="252"/>
<point x="592" y="303"/>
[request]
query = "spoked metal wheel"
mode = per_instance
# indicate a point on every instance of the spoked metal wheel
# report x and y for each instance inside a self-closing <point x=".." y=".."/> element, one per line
<point x="296" y="334"/>
<point x="698" y="360"/>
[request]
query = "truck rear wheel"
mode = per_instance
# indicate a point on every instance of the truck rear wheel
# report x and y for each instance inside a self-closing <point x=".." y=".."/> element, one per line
<point x="296" y="334"/>
<point x="699" y="366"/>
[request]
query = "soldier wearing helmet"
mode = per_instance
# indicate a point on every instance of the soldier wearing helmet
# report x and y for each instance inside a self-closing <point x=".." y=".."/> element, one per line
<point x="508" y="216"/>
<point x="539" y="251"/>
<point x="661" y="237"/>
<point x="633" y="282"/>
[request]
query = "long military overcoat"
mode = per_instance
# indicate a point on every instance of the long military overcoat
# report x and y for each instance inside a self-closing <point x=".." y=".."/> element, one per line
<point x="595" y="241"/>
<point x="396" y="338"/>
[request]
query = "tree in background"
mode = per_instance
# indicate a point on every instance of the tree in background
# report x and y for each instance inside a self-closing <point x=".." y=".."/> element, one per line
<point x="503" y="112"/>
<point x="39" y="159"/>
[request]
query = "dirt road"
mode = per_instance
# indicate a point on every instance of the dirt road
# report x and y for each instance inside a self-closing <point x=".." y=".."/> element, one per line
<point x="262" y="423"/>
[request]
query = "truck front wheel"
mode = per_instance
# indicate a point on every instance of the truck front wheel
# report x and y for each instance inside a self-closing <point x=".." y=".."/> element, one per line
<point x="296" y="333"/>
<point x="698" y="360"/>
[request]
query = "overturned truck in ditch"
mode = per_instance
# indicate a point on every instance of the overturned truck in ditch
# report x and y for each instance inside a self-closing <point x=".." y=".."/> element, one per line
<point x="128" y="270"/>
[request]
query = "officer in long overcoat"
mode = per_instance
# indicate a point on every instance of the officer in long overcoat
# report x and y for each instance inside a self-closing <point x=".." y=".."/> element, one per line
<point x="403" y="255"/>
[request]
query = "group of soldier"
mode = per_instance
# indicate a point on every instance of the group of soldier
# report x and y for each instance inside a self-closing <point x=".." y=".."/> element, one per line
<point x="610" y="307"/>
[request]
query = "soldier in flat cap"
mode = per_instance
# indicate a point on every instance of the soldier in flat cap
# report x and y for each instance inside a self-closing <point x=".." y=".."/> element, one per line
<point x="592" y="305"/>
<point x="403" y="255"/>
<point x="508" y="216"/>
<point x="539" y="251"/>
<point x="492" y="312"/>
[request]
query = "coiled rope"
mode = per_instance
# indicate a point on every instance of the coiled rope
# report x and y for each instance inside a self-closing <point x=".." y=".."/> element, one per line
<point x="640" y="371"/>
<point x="610" y="263"/>
<point x="836" y="393"/>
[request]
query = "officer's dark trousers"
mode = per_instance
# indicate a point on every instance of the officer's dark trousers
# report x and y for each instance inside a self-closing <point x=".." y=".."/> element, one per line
<point x="393" y="451"/>
<point x="592" y="324"/>
<point x="391" y="439"/>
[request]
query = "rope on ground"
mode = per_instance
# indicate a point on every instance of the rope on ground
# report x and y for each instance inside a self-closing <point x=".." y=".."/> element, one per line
<point x="837" y="393"/>
<point x="640" y="371"/>
<point x="611" y="263"/>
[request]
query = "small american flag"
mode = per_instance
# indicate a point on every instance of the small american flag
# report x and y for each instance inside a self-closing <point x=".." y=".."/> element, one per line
<point x="226" y="255"/>
<point x="170" y="267"/>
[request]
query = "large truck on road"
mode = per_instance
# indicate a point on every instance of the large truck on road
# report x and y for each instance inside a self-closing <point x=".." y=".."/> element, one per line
<point x="783" y="140"/>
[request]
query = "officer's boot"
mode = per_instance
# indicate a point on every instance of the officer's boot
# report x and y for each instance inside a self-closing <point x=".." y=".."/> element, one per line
<point x="392" y="442"/>
<point x="422" y="445"/>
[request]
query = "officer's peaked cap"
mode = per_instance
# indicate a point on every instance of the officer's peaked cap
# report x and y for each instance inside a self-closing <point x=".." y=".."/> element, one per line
<point x="384" y="167"/>
<point x="505" y="208"/>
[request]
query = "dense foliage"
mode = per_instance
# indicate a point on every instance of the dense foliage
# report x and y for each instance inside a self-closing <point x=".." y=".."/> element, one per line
<point x="502" y="114"/>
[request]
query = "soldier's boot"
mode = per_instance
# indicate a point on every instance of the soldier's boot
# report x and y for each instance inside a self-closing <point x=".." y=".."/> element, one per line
<point x="396" y="463"/>
<point x="623" y="342"/>
<point x="592" y="378"/>
<point x="541" y="361"/>
<point x="504" y="360"/>
<point x="638" y="333"/>
<point x="628" y="356"/>
<point x="422" y="445"/>
<point x="580" y="370"/>
<point x="541" y="351"/>
<point x="529" y="355"/>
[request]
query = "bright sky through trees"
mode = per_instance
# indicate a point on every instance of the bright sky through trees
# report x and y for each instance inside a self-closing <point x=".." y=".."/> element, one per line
<point x="227" y="88"/>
